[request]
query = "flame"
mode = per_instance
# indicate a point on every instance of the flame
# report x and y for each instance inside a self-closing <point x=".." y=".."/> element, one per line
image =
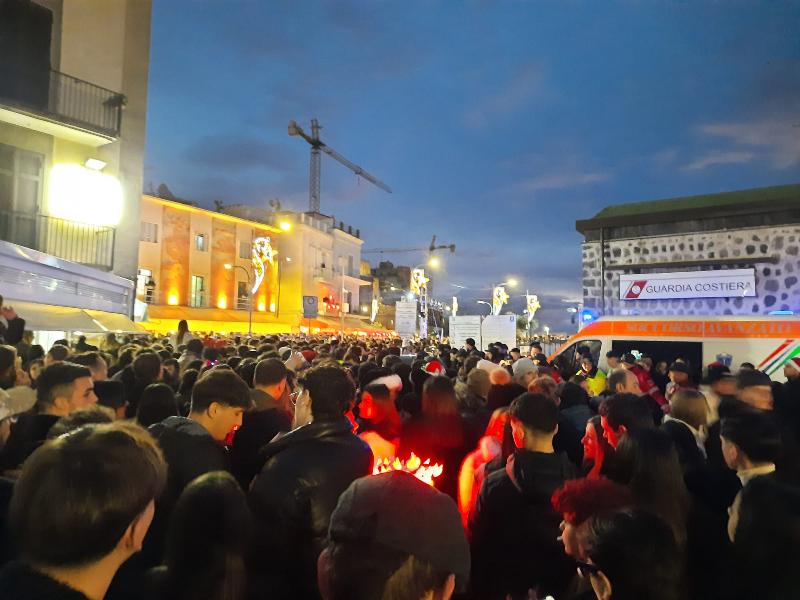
<point x="422" y="470"/>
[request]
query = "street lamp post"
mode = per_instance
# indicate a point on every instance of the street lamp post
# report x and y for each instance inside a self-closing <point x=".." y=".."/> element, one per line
<point x="489" y="304"/>
<point x="230" y="267"/>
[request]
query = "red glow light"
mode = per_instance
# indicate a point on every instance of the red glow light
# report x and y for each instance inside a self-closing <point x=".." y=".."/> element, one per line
<point x="422" y="470"/>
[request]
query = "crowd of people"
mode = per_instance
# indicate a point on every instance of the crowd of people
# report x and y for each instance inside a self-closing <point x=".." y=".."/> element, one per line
<point x="242" y="468"/>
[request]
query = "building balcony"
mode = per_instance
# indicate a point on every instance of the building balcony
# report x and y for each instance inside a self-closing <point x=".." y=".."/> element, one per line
<point x="90" y="245"/>
<point x="60" y="105"/>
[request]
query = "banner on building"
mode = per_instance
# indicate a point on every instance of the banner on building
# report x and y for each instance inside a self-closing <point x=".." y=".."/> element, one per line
<point x="463" y="327"/>
<point x="693" y="284"/>
<point x="405" y="319"/>
<point x="500" y="328"/>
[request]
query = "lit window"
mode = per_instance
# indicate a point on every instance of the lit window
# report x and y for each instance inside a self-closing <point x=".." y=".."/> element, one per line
<point x="148" y="232"/>
<point x="200" y="242"/>
<point x="197" y="292"/>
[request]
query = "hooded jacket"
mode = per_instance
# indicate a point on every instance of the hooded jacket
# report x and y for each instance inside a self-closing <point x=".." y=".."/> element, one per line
<point x="514" y="528"/>
<point x="292" y="499"/>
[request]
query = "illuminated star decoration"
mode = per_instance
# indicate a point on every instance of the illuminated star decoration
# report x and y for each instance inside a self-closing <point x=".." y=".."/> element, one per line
<point x="418" y="281"/>
<point x="499" y="298"/>
<point x="263" y="253"/>
<point x="374" y="312"/>
<point x="533" y="305"/>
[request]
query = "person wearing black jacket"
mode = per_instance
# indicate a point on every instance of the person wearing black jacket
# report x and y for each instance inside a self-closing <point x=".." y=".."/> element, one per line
<point x="193" y="446"/>
<point x="63" y="388"/>
<point x="12" y="333"/>
<point x="514" y="528"/>
<point x="304" y="473"/>
<point x="263" y="422"/>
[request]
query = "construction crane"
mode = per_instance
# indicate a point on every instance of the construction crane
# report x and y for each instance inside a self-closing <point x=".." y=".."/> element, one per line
<point x="430" y="249"/>
<point x="318" y="145"/>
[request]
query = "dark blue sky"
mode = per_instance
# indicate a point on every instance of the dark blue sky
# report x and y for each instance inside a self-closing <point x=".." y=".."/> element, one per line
<point x="497" y="124"/>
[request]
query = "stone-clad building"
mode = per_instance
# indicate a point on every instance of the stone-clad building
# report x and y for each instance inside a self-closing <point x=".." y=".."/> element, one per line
<point x="655" y="250"/>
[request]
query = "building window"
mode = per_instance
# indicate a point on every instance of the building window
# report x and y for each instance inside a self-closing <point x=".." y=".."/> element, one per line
<point x="245" y="250"/>
<point x="145" y="286"/>
<point x="148" y="232"/>
<point x="200" y="242"/>
<point x="197" y="292"/>
<point x="350" y="266"/>
<point x="242" y="296"/>
<point x="20" y="194"/>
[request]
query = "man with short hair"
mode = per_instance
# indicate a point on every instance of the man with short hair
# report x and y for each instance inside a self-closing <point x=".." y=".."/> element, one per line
<point x="751" y="443"/>
<point x="73" y="551"/>
<point x="95" y="362"/>
<point x="622" y="413"/>
<point x="304" y="474"/>
<point x="57" y="353"/>
<point x="263" y="422"/>
<point x="514" y="526"/>
<point x="145" y="370"/>
<point x="469" y="343"/>
<point x="612" y="359"/>
<point x="416" y="549"/>
<point x="646" y="383"/>
<point x="62" y="388"/>
<point x="192" y="445"/>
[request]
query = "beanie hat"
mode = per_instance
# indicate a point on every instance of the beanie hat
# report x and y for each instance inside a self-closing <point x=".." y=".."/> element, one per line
<point x="478" y="382"/>
<point x="522" y="367"/>
<point x="751" y="378"/>
<point x="396" y="510"/>
<point x="435" y="367"/>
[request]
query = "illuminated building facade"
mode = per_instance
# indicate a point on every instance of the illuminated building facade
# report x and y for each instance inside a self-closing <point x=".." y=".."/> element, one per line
<point x="71" y="152"/>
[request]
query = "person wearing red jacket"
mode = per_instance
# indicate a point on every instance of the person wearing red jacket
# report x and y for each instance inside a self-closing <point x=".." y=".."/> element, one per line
<point x="646" y="383"/>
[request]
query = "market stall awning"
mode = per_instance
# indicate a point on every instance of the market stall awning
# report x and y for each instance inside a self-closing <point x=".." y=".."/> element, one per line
<point x="47" y="317"/>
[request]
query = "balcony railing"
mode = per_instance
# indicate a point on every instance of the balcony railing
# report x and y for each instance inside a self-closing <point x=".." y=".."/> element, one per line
<point x="91" y="245"/>
<point x="63" y="98"/>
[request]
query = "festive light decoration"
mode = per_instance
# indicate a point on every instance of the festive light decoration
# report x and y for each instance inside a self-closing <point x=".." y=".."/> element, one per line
<point x="418" y="281"/>
<point x="455" y="306"/>
<point x="263" y="254"/>
<point x="499" y="299"/>
<point x="421" y="469"/>
<point x="533" y="305"/>
<point x="374" y="312"/>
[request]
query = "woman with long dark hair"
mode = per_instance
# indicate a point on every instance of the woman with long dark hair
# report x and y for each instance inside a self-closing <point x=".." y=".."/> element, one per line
<point x="207" y="542"/>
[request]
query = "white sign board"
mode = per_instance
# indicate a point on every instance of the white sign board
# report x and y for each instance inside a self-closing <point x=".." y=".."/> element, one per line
<point x="463" y="327"/>
<point x="405" y="319"/>
<point x="693" y="284"/>
<point x="499" y="328"/>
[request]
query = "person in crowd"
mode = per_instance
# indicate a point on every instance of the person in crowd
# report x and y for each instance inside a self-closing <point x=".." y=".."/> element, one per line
<point x="16" y="394"/>
<point x="12" y="330"/>
<point x="82" y="345"/>
<point x="193" y="351"/>
<point x="95" y="362"/>
<point x="622" y="413"/>
<point x="24" y="346"/>
<point x="473" y="469"/>
<point x="717" y="383"/>
<point x="646" y="461"/>
<point x="207" y="543"/>
<point x="598" y="454"/>
<point x="63" y="389"/>
<point x="157" y="404"/>
<point x="632" y="555"/>
<point x="416" y="549"/>
<point x="315" y="462"/>
<point x="680" y="378"/>
<point x="580" y="499"/>
<point x="183" y="336"/>
<point x="110" y="345"/>
<point x="188" y="379"/>
<point x="192" y="445"/>
<point x="524" y="372"/>
<point x="766" y="535"/>
<point x="473" y="396"/>
<point x="111" y="396"/>
<point x="172" y="372"/>
<point x="751" y="444"/>
<point x="574" y="405"/>
<point x="660" y="375"/>
<point x="146" y="370"/>
<point x="34" y="369"/>
<point x="57" y="353"/>
<point x="438" y="434"/>
<point x="380" y="422"/>
<point x="613" y="359"/>
<point x="513" y="526"/>
<point x="595" y="378"/>
<point x="74" y="421"/>
<point x="686" y="425"/>
<point x="73" y="553"/>
<point x="267" y="418"/>
<point x="646" y="384"/>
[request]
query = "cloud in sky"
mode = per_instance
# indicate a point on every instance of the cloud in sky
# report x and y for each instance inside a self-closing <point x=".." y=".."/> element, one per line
<point x="526" y="82"/>
<point x="718" y="157"/>
<point x="780" y="138"/>
<point x="227" y="152"/>
<point x="558" y="181"/>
